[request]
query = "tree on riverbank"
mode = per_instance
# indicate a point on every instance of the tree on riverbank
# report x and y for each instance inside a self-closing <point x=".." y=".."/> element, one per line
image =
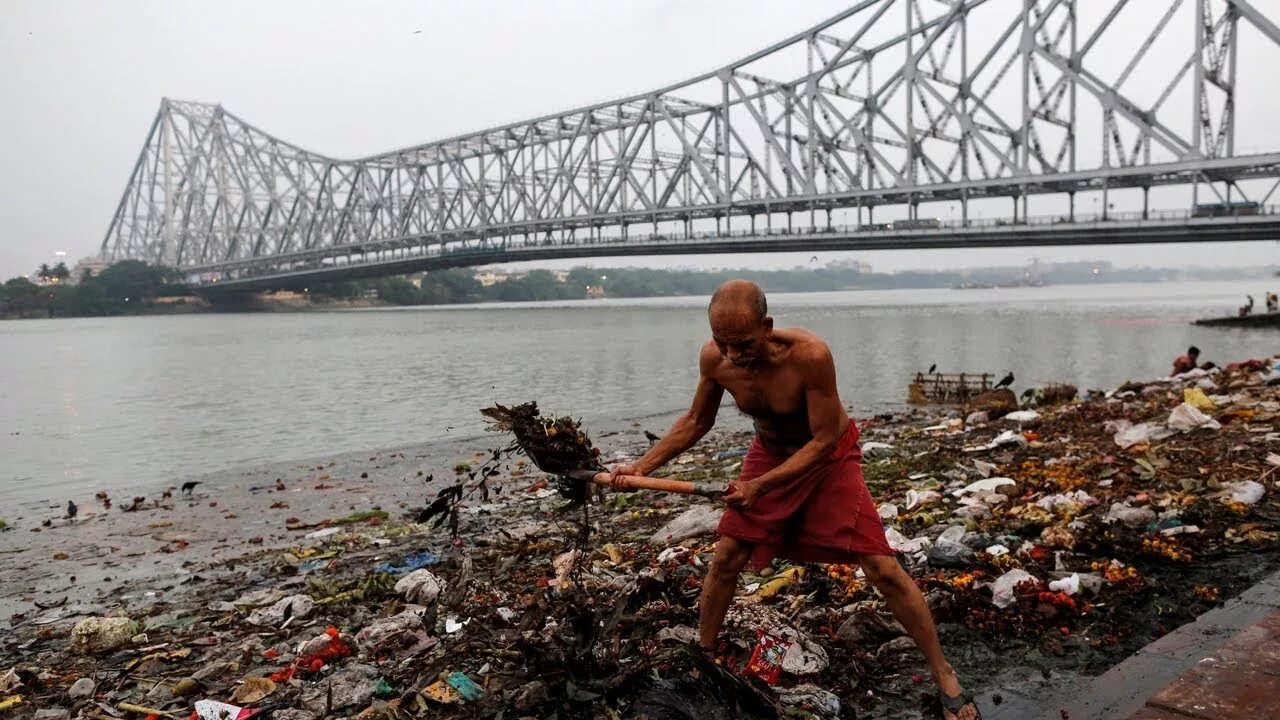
<point x="455" y="286"/>
<point x="121" y="289"/>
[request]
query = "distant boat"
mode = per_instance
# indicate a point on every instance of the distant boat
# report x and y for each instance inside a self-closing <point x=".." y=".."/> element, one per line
<point x="1271" y="319"/>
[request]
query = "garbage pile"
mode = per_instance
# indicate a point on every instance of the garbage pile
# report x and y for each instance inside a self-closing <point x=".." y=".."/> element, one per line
<point x="1063" y="535"/>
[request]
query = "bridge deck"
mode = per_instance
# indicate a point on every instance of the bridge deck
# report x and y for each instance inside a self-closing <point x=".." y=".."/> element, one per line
<point x="414" y="256"/>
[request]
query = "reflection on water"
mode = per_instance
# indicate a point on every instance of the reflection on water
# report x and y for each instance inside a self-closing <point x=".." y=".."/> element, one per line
<point x="113" y="403"/>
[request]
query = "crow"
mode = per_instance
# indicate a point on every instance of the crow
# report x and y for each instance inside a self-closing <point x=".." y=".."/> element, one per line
<point x="71" y="509"/>
<point x="932" y="368"/>
<point x="190" y="485"/>
<point x="651" y="437"/>
<point x="1005" y="381"/>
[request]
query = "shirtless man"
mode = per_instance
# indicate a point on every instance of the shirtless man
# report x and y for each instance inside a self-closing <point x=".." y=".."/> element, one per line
<point x="801" y="494"/>
<point x="1186" y="363"/>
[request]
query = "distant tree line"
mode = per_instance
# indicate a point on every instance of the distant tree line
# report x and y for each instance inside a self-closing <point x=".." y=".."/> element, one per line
<point x="129" y="287"/>
<point x="121" y="289"/>
<point x="456" y="286"/>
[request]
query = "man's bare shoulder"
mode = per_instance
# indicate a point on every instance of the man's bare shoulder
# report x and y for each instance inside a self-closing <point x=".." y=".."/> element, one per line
<point x="709" y="358"/>
<point x="805" y="345"/>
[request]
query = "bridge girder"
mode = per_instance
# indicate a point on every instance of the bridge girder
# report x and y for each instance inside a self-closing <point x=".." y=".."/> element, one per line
<point x="888" y="102"/>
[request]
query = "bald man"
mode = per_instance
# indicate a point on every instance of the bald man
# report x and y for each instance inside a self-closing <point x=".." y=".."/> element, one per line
<point x="800" y="494"/>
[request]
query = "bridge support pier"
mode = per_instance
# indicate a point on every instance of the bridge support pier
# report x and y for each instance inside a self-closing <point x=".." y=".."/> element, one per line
<point x="1146" y="196"/>
<point x="1071" y="207"/>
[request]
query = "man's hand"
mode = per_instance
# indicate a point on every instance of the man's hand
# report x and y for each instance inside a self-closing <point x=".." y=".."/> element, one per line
<point x="743" y="495"/>
<point x="618" y="471"/>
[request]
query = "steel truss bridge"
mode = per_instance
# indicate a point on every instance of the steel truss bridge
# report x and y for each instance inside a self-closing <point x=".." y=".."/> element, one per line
<point x="889" y="103"/>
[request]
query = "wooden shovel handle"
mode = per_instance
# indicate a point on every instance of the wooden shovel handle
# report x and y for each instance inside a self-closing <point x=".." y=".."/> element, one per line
<point x="684" y="487"/>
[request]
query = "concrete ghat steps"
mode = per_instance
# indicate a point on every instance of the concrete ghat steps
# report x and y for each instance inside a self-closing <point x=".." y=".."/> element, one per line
<point x="1223" y="666"/>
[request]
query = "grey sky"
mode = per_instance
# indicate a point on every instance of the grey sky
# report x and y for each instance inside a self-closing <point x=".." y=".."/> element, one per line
<point x="82" y="80"/>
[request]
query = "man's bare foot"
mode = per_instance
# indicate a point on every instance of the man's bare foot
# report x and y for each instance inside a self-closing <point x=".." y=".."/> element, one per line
<point x="956" y="705"/>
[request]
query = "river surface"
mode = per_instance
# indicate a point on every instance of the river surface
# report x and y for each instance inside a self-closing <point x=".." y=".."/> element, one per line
<point x="140" y="402"/>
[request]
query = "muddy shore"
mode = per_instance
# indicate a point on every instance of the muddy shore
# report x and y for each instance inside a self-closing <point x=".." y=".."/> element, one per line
<point x="129" y="553"/>
<point x="1061" y="538"/>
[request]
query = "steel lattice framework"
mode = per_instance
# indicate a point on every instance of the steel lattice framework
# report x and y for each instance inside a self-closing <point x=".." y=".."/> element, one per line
<point x="890" y="102"/>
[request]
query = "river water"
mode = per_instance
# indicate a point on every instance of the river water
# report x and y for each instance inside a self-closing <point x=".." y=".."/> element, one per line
<point x="139" y="402"/>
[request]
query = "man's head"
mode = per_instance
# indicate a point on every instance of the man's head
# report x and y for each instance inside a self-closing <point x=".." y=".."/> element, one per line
<point x="1193" y="352"/>
<point x="740" y="322"/>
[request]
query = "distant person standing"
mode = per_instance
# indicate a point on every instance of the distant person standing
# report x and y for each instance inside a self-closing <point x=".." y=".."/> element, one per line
<point x="1246" y="310"/>
<point x="1186" y="363"/>
<point x="1272" y="302"/>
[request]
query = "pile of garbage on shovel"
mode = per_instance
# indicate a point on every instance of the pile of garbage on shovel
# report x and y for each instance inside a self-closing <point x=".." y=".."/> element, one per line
<point x="1065" y="533"/>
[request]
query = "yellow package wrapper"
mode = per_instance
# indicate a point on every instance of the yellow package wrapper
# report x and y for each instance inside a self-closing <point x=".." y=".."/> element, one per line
<point x="1196" y="397"/>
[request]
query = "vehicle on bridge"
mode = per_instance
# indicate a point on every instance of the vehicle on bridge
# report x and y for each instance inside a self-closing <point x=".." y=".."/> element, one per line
<point x="916" y="224"/>
<point x="1226" y="209"/>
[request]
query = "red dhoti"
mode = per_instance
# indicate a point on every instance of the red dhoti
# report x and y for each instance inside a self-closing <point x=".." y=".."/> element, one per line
<point x="825" y="515"/>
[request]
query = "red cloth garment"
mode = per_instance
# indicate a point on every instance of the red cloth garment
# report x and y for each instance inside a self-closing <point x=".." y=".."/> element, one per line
<point x="826" y="515"/>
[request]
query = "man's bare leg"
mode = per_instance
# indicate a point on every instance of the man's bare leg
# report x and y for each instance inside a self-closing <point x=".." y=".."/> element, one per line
<point x="909" y="607"/>
<point x="718" y="588"/>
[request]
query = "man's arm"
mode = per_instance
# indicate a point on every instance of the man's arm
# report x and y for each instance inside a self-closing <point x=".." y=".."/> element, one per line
<point x="689" y="428"/>
<point x="825" y="418"/>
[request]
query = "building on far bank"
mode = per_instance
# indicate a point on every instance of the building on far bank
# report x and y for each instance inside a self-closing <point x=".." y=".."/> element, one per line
<point x="851" y="264"/>
<point x="93" y="264"/>
<point x="490" y="276"/>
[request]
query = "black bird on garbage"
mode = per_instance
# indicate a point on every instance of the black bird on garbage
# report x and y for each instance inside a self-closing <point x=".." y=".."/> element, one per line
<point x="1005" y="381"/>
<point x="932" y="368"/>
<point x="190" y="485"/>
<point x="651" y="437"/>
<point x="72" y="510"/>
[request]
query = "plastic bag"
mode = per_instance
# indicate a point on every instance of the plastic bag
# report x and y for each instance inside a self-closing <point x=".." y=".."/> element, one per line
<point x="1248" y="492"/>
<point x="991" y="484"/>
<point x="1196" y="397"/>
<point x="421" y="587"/>
<point x="1186" y="417"/>
<point x="1069" y="585"/>
<point x="1128" y="434"/>
<point x="1002" y="595"/>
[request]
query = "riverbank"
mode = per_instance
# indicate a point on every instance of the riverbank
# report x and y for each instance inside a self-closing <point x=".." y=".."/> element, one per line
<point x="1062" y="538"/>
<point x="135" y="288"/>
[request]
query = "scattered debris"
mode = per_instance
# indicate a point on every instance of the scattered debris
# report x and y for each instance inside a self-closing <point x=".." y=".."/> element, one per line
<point x="1066" y="536"/>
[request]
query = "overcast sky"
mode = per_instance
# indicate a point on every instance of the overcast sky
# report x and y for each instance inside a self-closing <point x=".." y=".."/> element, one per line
<point x="81" y="81"/>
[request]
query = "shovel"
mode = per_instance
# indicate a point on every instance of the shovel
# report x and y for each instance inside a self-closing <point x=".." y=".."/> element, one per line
<point x="683" y="487"/>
